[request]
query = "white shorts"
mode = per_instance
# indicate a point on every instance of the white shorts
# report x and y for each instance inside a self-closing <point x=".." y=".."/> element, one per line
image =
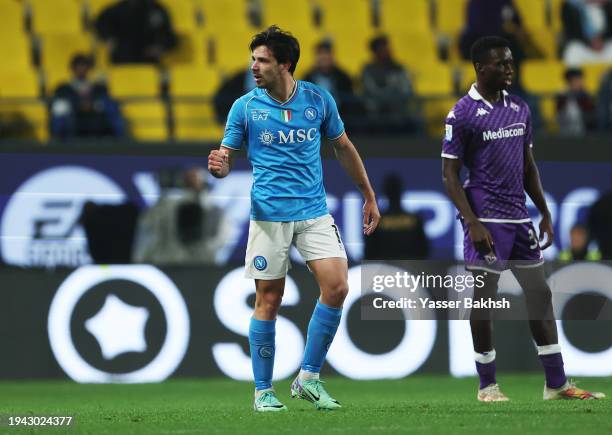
<point x="267" y="254"/>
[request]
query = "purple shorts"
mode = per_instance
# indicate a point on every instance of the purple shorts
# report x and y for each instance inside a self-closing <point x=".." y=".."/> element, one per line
<point x="515" y="244"/>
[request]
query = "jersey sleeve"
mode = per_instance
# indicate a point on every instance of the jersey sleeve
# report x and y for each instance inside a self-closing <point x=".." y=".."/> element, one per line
<point x="528" y="130"/>
<point x="456" y="134"/>
<point x="235" y="127"/>
<point x="332" y="126"/>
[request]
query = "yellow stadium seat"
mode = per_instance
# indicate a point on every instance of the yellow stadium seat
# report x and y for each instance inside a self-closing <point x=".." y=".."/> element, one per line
<point x="192" y="49"/>
<point x="548" y="111"/>
<point x="435" y="111"/>
<point x="224" y="15"/>
<point x="413" y="48"/>
<point x="56" y="53"/>
<point x="546" y="41"/>
<point x="133" y="81"/>
<point x="542" y="77"/>
<point x="19" y="84"/>
<point x="25" y="120"/>
<point x="593" y="73"/>
<point x="296" y="15"/>
<point x="11" y="18"/>
<point x="450" y="16"/>
<point x="57" y="16"/>
<point x="232" y="52"/>
<point x="182" y="14"/>
<point x="402" y="14"/>
<point x="188" y="81"/>
<point x="196" y="121"/>
<point x="556" y="23"/>
<point x="348" y="14"/>
<point x="532" y="12"/>
<point x="15" y="52"/>
<point x="432" y="80"/>
<point x="352" y="50"/>
<point x="94" y="7"/>
<point x="147" y="120"/>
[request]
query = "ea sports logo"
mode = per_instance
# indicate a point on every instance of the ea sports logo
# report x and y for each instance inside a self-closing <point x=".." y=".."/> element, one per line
<point x="118" y="324"/>
<point x="40" y="225"/>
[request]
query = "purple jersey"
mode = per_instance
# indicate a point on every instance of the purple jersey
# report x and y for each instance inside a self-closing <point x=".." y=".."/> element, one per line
<point x="490" y="139"/>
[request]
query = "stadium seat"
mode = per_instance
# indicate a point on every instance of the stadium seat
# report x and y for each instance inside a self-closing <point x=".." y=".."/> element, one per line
<point x="533" y="13"/>
<point x="546" y="41"/>
<point x="413" y="48"/>
<point x="450" y="16"/>
<point x="352" y="50"/>
<point x="196" y="121"/>
<point x="183" y="14"/>
<point x="15" y="52"/>
<point x="192" y="49"/>
<point x="297" y="16"/>
<point x="543" y="77"/>
<point x="548" y="111"/>
<point x="11" y="18"/>
<point x="217" y="14"/>
<point x="432" y="80"/>
<point x="232" y="51"/>
<point x="147" y="120"/>
<point x="25" y="120"/>
<point x="57" y="16"/>
<point x="133" y="81"/>
<point x="593" y="73"/>
<point x="556" y="24"/>
<point x="56" y="53"/>
<point x="402" y="14"/>
<point x="354" y="15"/>
<point x="19" y="83"/>
<point x="435" y="111"/>
<point x="189" y="81"/>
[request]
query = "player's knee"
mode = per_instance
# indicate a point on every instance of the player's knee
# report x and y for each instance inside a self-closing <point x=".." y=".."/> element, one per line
<point x="337" y="292"/>
<point x="268" y="303"/>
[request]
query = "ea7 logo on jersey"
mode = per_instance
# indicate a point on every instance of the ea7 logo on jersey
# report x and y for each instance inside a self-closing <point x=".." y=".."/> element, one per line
<point x="260" y="114"/>
<point x="300" y="135"/>
<point x="481" y="112"/>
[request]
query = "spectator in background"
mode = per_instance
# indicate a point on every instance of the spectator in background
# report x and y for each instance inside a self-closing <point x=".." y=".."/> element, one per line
<point x="139" y="31"/>
<point x="587" y="31"/>
<point x="184" y="227"/>
<point x="600" y="224"/>
<point x="400" y="235"/>
<point x="604" y="103"/>
<point x="82" y="107"/>
<point x="578" y="249"/>
<point x="230" y="90"/>
<point x="329" y="76"/>
<point x="387" y="90"/>
<point x="576" y="111"/>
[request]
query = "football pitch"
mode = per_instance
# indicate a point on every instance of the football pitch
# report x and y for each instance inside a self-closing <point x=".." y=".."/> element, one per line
<point x="418" y="404"/>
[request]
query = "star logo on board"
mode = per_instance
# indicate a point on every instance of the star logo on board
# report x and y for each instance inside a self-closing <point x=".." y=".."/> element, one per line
<point x="119" y="327"/>
<point x="481" y="112"/>
<point x="266" y="137"/>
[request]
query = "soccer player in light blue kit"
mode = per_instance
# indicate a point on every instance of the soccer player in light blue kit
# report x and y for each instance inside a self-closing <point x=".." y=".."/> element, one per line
<point x="282" y="122"/>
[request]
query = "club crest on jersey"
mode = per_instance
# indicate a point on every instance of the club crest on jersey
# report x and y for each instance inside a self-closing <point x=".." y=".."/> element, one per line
<point x="481" y="112"/>
<point x="266" y="137"/>
<point x="260" y="114"/>
<point x="260" y="262"/>
<point x="286" y="115"/>
<point x="310" y="113"/>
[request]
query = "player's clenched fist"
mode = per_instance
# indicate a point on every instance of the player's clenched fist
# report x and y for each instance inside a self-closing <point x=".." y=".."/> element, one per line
<point x="218" y="163"/>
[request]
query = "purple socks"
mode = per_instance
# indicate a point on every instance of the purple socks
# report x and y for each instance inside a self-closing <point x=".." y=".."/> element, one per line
<point x="552" y="361"/>
<point x="485" y="366"/>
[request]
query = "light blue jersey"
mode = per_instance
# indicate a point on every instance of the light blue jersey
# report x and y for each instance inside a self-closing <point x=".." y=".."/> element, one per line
<point x="283" y="142"/>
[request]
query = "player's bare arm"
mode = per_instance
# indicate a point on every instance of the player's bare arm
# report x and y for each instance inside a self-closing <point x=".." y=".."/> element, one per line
<point x="349" y="158"/>
<point x="533" y="187"/>
<point x="480" y="236"/>
<point x="220" y="161"/>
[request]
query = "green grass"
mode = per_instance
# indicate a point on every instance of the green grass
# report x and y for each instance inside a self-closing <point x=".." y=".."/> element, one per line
<point x="418" y="404"/>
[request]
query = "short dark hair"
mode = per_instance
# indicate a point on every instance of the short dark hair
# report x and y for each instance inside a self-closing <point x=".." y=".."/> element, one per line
<point x="480" y="48"/>
<point x="571" y="73"/>
<point x="81" y="59"/>
<point x="378" y="42"/>
<point x="283" y="45"/>
<point x="325" y="44"/>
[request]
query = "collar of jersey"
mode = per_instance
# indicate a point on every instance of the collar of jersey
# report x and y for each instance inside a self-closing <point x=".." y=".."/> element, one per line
<point x="288" y="100"/>
<point x="475" y="95"/>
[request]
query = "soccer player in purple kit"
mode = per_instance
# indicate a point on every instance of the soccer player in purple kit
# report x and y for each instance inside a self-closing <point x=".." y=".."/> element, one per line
<point x="489" y="132"/>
